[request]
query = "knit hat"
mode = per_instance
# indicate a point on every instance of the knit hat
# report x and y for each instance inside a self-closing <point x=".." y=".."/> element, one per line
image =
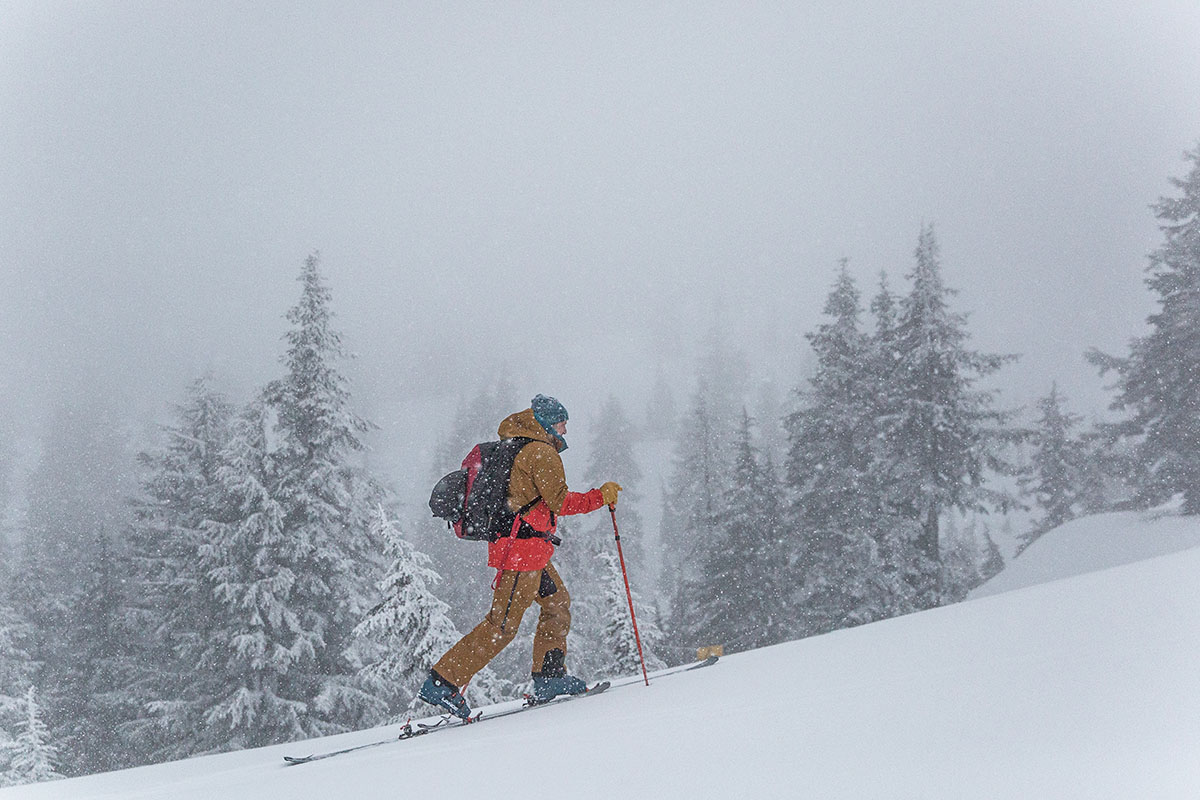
<point x="549" y="412"/>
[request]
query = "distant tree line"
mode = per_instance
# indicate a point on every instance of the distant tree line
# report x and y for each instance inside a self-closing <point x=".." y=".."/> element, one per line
<point x="261" y="585"/>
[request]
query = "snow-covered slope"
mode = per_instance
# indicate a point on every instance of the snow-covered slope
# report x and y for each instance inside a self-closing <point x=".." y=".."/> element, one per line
<point x="1086" y="687"/>
<point x="1095" y="543"/>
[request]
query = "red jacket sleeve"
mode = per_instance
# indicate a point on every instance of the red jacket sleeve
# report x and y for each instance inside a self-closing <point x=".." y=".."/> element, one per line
<point x="581" y="502"/>
<point x="539" y="517"/>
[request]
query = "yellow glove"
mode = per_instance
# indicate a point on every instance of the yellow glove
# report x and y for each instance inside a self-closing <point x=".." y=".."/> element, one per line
<point x="609" y="492"/>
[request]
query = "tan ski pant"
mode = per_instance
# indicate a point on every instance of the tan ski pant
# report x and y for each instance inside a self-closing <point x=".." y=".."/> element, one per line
<point x="514" y="593"/>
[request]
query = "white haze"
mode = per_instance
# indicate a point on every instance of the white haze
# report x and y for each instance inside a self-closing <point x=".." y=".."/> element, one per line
<point x="568" y="193"/>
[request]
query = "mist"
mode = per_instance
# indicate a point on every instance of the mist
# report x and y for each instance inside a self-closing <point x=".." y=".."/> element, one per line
<point x="567" y="197"/>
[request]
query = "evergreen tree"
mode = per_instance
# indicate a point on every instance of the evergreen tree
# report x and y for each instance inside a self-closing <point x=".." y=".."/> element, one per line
<point x="703" y="443"/>
<point x="943" y="433"/>
<point x="831" y="437"/>
<point x="884" y="354"/>
<point x="403" y="637"/>
<point x="76" y="490"/>
<point x="264" y="655"/>
<point x="32" y="757"/>
<point x="1159" y="382"/>
<point x="17" y="670"/>
<point x="1057" y="474"/>
<point x="174" y="610"/>
<point x="852" y="557"/>
<point x="619" y="644"/>
<point x="100" y="690"/>
<point x="741" y="598"/>
<point x="75" y="493"/>
<point x="8" y="503"/>
<point x="842" y="582"/>
<point x="327" y="498"/>
<point x="1112" y="472"/>
<point x="289" y="557"/>
<point x="693" y="508"/>
<point x="883" y="309"/>
<point x="17" y="667"/>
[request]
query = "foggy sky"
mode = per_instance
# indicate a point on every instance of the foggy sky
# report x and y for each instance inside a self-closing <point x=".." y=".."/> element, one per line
<point x="571" y="192"/>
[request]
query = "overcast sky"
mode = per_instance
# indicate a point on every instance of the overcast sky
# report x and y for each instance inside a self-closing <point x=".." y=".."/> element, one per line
<point x="565" y="189"/>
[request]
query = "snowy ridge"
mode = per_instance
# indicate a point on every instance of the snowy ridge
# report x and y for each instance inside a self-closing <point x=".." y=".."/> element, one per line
<point x="1084" y="687"/>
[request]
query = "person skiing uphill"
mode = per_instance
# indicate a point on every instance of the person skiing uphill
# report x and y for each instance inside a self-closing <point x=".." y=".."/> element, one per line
<point x="537" y="490"/>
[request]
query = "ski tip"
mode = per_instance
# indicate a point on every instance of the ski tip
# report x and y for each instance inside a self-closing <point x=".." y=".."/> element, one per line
<point x="297" y="759"/>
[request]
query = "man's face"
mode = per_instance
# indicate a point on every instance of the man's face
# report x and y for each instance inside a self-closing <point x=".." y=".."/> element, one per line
<point x="561" y="428"/>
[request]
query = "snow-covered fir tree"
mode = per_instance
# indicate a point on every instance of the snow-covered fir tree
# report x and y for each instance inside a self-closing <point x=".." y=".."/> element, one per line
<point x="263" y="655"/>
<point x="174" y="606"/>
<point x="1158" y="383"/>
<point x="101" y="689"/>
<point x="944" y="434"/>
<point x="17" y="667"/>
<point x="1057" y="473"/>
<point x="17" y="671"/>
<point x="843" y="580"/>
<point x="291" y="558"/>
<point x="326" y="495"/>
<point x="832" y="436"/>
<point x="852" y="557"/>
<point x="740" y="598"/>
<point x="401" y="639"/>
<point x="619" y="644"/>
<point x="74" y="494"/>
<point x="883" y="309"/>
<point x="32" y="757"/>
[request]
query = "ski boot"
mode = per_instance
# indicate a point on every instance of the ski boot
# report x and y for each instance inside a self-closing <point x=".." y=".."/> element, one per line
<point x="548" y="687"/>
<point x="437" y="691"/>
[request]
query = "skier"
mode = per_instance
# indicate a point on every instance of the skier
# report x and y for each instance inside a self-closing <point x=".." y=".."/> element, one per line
<point x="524" y="573"/>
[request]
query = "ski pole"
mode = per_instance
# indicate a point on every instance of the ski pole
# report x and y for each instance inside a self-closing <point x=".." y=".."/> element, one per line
<point x="628" y="594"/>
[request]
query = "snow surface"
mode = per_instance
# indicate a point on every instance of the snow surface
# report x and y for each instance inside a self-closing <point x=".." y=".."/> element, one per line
<point x="1084" y="687"/>
<point x="1095" y="543"/>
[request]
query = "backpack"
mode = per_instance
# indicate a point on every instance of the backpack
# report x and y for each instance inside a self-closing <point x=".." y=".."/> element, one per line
<point x="474" y="500"/>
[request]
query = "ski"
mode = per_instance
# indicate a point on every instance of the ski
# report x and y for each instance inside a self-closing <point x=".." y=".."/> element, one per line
<point x="662" y="673"/>
<point x="409" y="730"/>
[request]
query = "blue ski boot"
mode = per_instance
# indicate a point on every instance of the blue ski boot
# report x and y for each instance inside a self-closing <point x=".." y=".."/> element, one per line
<point x="548" y="687"/>
<point x="437" y="691"/>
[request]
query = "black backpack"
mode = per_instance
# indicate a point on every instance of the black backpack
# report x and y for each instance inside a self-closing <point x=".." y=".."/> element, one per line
<point x="474" y="500"/>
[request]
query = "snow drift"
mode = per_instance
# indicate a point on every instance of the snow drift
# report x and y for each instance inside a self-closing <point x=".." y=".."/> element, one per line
<point x="1095" y="543"/>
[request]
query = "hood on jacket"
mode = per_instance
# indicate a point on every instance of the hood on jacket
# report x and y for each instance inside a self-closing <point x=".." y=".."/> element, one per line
<point x="524" y="424"/>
